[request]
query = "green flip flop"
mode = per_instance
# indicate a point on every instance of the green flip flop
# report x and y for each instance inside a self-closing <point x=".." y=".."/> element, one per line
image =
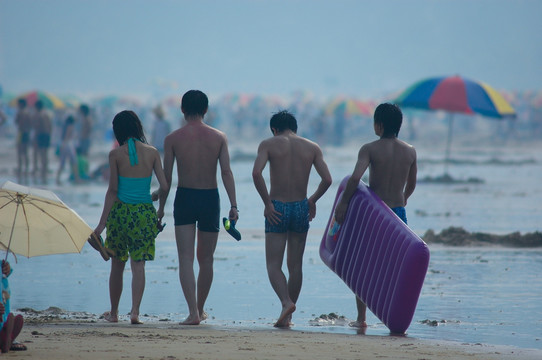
<point x="230" y="228"/>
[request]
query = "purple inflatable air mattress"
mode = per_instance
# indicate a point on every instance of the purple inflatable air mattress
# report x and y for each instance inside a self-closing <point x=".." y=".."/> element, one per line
<point x="377" y="255"/>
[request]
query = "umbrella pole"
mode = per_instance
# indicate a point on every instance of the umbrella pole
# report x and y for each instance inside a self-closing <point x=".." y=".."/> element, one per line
<point x="448" y="143"/>
<point x="12" y="228"/>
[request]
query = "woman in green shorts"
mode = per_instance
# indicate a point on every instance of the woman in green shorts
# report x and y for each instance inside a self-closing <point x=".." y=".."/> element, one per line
<point x="128" y="214"/>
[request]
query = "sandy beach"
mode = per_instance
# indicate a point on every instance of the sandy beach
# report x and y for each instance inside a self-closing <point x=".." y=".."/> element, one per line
<point x="101" y="340"/>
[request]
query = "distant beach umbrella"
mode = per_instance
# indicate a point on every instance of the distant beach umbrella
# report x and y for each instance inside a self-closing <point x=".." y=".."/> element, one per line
<point x="35" y="222"/>
<point x="456" y="94"/>
<point x="350" y="107"/>
<point x="49" y="100"/>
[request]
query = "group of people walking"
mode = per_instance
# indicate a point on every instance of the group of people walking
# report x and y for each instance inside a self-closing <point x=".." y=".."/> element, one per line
<point x="198" y="149"/>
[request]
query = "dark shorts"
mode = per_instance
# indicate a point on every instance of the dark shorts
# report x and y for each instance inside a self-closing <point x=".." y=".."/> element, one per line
<point x="294" y="217"/>
<point x="201" y="206"/>
<point x="84" y="146"/>
<point x="43" y="140"/>
<point x="401" y="212"/>
<point x="24" y="138"/>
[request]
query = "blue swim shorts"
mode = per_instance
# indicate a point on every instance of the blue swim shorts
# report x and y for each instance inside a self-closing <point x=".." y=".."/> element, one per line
<point x="294" y="217"/>
<point x="401" y="212"/>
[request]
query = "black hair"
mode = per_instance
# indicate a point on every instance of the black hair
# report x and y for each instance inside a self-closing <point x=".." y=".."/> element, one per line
<point x="21" y="102"/>
<point x="127" y="125"/>
<point x="283" y="120"/>
<point x="194" y="102"/>
<point x="391" y="118"/>
<point x="39" y="104"/>
<point x="70" y="120"/>
<point x="85" y="110"/>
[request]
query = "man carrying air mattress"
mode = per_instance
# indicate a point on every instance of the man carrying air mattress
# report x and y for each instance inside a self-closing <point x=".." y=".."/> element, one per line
<point x="392" y="173"/>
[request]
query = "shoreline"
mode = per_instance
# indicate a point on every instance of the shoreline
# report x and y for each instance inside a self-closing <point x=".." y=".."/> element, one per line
<point x="91" y="340"/>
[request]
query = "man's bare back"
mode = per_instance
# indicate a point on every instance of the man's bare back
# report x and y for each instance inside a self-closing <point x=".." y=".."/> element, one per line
<point x="391" y="162"/>
<point x="197" y="148"/>
<point x="290" y="160"/>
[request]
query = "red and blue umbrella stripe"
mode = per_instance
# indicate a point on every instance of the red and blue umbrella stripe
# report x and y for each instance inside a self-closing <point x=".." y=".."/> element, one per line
<point x="456" y="94"/>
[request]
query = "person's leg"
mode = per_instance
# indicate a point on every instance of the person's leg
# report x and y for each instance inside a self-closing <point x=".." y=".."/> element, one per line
<point x="19" y="162"/>
<point x="62" y="161"/>
<point x="362" y="312"/>
<point x="35" y="156"/>
<point x="75" y="166"/>
<point x="26" y="161"/>
<point x="138" y="287"/>
<point x="115" y="288"/>
<point x="185" y="237"/>
<point x="275" y="244"/>
<point x="44" y="164"/>
<point x="294" y="256"/>
<point x="5" y="333"/>
<point x="205" y="253"/>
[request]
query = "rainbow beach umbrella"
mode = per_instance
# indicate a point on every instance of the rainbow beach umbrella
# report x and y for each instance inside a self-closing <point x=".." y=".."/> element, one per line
<point x="49" y="100"/>
<point x="456" y="94"/>
<point x="350" y="107"/>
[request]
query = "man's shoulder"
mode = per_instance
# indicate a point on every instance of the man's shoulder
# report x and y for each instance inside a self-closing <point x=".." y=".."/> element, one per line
<point x="406" y="145"/>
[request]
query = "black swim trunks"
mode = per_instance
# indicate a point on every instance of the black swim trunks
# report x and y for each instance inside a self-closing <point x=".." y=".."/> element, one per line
<point x="43" y="140"/>
<point x="201" y="206"/>
<point x="23" y="138"/>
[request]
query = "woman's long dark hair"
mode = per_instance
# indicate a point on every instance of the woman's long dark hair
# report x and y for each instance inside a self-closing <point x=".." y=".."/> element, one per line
<point x="127" y="125"/>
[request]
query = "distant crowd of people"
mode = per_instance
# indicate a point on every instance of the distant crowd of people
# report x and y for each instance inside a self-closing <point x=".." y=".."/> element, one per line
<point x="35" y="133"/>
<point x="68" y="136"/>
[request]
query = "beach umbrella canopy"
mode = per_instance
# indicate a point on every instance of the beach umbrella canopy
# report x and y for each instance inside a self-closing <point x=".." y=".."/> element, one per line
<point x="49" y="100"/>
<point x="456" y="94"/>
<point x="35" y="222"/>
<point x="350" y="107"/>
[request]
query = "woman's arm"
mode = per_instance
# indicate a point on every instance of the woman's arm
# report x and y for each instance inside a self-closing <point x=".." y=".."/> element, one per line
<point x="111" y="194"/>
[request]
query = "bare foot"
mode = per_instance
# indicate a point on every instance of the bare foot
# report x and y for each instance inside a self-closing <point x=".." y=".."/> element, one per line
<point x="204" y="316"/>
<point x="111" y="318"/>
<point x="191" y="320"/>
<point x="283" y="320"/>
<point x="134" y="319"/>
<point x="290" y="323"/>
<point x="358" y="324"/>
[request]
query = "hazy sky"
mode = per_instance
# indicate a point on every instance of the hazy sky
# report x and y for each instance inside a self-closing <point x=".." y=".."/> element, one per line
<point x="361" y="48"/>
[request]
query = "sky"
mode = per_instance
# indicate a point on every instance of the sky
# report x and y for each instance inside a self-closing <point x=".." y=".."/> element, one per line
<point x="363" y="48"/>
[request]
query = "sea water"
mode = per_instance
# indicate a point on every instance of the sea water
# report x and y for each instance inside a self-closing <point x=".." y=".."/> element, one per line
<point x="474" y="295"/>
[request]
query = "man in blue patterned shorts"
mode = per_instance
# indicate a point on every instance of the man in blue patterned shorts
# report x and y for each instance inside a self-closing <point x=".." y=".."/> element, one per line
<point x="287" y="209"/>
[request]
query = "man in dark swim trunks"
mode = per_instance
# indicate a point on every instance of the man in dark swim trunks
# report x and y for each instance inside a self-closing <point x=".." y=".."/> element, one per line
<point x="392" y="173"/>
<point x="44" y="127"/>
<point x="23" y="120"/>
<point x="197" y="148"/>
<point x="287" y="209"/>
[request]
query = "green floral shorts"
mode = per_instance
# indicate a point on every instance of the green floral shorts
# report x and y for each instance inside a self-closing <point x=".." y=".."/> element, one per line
<point x="131" y="231"/>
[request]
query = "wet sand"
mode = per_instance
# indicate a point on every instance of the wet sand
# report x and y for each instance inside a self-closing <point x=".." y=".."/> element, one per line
<point x="101" y="340"/>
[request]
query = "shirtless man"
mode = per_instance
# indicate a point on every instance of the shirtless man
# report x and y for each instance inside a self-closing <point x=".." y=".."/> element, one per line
<point x="287" y="209"/>
<point x="197" y="148"/>
<point x="44" y="127"/>
<point x="23" y="120"/>
<point x="392" y="174"/>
